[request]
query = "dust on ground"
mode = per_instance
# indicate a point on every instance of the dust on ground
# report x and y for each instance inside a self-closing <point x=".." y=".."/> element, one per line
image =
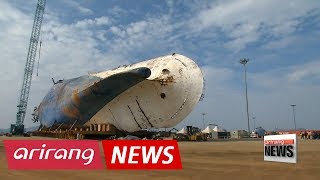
<point x="200" y="160"/>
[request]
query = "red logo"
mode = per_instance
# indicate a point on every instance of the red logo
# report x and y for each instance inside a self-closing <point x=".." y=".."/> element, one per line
<point x="279" y="142"/>
<point x="53" y="154"/>
<point x="142" y="154"/>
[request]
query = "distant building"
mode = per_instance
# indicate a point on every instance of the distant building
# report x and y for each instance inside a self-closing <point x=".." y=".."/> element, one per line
<point x="237" y="134"/>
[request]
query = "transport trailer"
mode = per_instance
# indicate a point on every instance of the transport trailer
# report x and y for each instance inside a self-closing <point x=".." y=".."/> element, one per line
<point x="94" y="131"/>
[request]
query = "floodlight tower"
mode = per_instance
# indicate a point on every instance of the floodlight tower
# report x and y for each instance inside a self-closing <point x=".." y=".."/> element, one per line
<point x="294" y="116"/>
<point x="244" y="62"/>
<point x="203" y="114"/>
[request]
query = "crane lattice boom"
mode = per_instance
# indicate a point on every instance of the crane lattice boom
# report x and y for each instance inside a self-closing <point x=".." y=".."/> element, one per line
<point x="25" y="89"/>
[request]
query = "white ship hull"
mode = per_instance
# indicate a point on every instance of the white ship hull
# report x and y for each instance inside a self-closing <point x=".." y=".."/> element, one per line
<point x="163" y="100"/>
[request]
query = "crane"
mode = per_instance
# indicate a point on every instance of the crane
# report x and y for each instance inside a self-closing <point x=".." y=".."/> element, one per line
<point x="18" y="127"/>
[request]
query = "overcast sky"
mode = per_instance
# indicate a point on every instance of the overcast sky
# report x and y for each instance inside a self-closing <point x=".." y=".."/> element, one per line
<point x="281" y="39"/>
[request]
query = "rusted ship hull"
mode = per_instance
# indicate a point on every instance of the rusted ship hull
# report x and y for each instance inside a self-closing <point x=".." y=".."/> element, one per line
<point x="157" y="93"/>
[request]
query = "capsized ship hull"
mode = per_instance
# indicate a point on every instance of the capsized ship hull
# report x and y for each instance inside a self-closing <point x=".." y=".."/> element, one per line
<point x="157" y="93"/>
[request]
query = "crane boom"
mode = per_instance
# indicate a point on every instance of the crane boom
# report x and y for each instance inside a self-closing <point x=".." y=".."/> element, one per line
<point x="18" y="128"/>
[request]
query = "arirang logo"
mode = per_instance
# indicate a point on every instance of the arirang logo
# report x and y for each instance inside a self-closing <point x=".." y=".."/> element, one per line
<point x="23" y="153"/>
<point x="85" y="154"/>
<point x="53" y="154"/>
<point x="280" y="148"/>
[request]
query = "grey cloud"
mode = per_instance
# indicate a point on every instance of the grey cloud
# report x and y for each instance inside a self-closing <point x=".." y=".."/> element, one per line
<point x="281" y="17"/>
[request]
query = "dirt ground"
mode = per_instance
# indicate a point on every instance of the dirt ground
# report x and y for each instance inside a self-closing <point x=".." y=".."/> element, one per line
<point x="200" y="160"/>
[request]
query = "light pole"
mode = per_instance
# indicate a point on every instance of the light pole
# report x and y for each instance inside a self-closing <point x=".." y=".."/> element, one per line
<point x="294" y="116"/>
<point x="254" y="122"/>
<point x="244" y="62"/>
<point x="203" y="114"/>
